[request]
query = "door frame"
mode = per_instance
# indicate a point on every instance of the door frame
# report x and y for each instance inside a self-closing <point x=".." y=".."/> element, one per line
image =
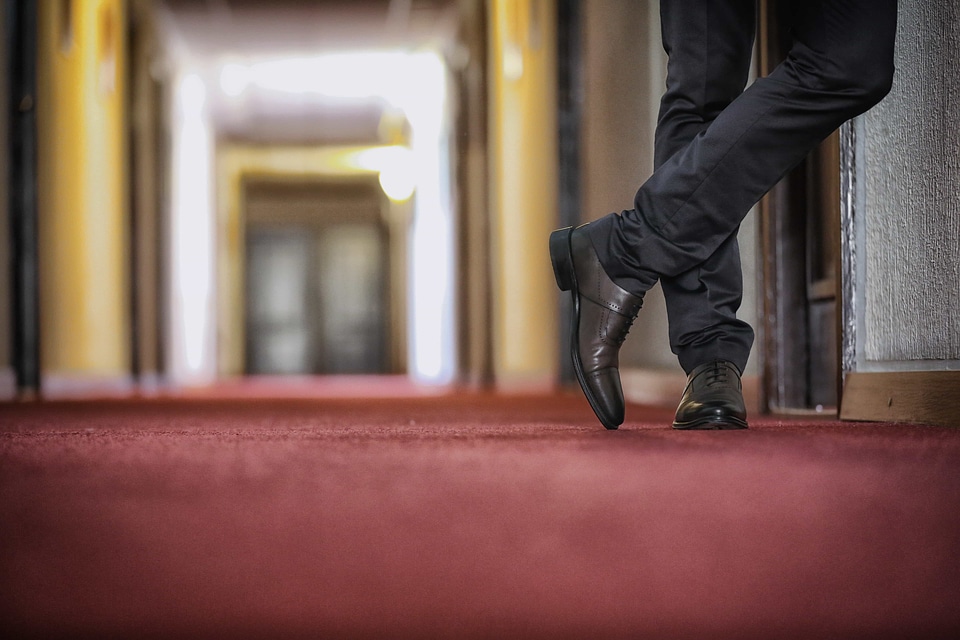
<point x="797" y="349"/>
<point x="237" y="163"/>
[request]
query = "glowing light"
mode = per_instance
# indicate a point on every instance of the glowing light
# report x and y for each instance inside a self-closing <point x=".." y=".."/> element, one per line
<point x="234" y="79"/>
<point x="513" y="62"/>
<point x="413" y="82"/>
<point x="192" y="95"/>
<point x="397" y="183"/>
<point x="395" y="166"/>
<point x="192" y="358"/>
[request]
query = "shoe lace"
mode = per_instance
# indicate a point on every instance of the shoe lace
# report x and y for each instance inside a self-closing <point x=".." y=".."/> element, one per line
<point x="716" y="375"/>
<point x="624" y="330"/>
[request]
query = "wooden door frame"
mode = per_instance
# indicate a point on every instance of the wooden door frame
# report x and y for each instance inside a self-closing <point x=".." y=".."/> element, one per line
<point x="785" y="338"/>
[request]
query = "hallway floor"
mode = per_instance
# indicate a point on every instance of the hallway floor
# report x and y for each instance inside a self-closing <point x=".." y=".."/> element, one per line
<point x="468" y="515"/>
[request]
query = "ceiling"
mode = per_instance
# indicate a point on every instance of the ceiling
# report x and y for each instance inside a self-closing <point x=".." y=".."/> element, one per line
<point x="202" y="35"/>
<point x="257" y="28"/>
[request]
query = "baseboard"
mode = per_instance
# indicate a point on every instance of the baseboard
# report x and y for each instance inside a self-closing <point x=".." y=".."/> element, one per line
<point x="652" y="387"/>
<point x="925" y="397"/>
<point x="64" y="386"/>
<point x="659" y="388"/>
<point x="8" y="383"/>
<point x="522" y="383"/>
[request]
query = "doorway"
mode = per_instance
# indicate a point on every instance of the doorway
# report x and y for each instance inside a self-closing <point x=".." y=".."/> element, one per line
<point x="800" y="248"/>
<point x="317" y="295"/>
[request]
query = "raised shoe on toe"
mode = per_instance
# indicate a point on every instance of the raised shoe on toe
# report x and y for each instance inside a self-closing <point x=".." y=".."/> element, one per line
<point x="712" y="399"/>
<point x="601" y="316"/>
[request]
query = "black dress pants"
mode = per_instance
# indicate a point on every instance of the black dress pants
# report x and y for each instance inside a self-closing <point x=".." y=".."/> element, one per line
<point x="719" y="149"/>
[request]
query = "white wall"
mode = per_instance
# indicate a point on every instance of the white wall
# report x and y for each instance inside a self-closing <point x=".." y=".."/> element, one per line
<point x="905" y="203"/>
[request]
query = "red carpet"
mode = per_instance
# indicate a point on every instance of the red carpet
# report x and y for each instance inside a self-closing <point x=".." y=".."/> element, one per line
<point x="468" y="516"/>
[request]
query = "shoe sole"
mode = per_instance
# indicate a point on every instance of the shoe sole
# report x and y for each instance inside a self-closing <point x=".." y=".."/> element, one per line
<point x="712" y="423"/>
<point x="561" y="255"/>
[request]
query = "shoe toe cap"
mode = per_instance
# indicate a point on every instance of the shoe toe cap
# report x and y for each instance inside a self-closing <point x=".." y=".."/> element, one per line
<point x="606" y="395"/>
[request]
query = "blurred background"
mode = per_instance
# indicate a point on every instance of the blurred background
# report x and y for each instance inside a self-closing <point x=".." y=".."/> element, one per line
<point x="233" y="188"/>
<point x="205" y="191"/>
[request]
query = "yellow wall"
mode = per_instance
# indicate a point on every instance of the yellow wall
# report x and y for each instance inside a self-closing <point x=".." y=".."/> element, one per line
<point x="523" y="125"/>
<point x="82" y="199"/>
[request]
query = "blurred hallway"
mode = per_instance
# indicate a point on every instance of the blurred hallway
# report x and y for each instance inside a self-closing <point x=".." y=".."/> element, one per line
<point x="200" y="191"/>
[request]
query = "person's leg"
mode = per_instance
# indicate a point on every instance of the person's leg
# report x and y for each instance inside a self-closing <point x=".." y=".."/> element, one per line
<point x="840" y="65"/>
<point x="709" y="46"/>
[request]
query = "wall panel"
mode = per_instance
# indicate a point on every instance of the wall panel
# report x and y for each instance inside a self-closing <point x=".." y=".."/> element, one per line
<point x="901" y="231"/>
<point x="911" y="150"/>
<point x="84" y="240"/>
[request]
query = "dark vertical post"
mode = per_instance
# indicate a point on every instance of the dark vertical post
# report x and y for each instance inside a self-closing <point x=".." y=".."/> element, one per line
<point x="784" y="332"/>
<point x="134" y="194"/>
<point x="569" y="107"/>
<point x="21" y="38"/>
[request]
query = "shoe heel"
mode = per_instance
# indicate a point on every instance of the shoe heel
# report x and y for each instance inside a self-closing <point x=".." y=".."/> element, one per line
<point x="561" y="259"/>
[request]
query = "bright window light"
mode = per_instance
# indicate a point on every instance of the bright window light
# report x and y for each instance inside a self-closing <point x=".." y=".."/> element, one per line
<point x="234" y="79"/>
<point x="192" y="282"/>
<point x="414" y="83"/>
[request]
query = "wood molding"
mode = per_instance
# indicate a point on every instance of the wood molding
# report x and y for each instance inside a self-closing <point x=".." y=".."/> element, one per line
<point x="927" y="397"/>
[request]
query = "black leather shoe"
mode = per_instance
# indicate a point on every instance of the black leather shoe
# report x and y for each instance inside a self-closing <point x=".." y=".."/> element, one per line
<point x="602" y="315"/>
<point x="713" y="399"/>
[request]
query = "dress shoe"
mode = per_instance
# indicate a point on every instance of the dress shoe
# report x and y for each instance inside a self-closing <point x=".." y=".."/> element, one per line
<point x="713" y="399"/>
<point x="601" y="317"/>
